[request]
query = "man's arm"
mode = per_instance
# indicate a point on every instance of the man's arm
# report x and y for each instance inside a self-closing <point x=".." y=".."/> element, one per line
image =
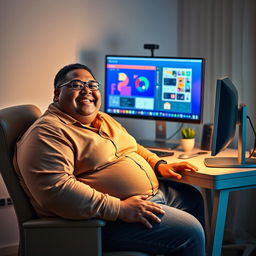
<point x="45" y="160"/>
<point x="150" y="157"/>
<point x="161" y="167"/>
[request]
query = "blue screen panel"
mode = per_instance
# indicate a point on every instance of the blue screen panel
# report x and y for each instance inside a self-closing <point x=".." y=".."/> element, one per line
<point x="154" y="87"/>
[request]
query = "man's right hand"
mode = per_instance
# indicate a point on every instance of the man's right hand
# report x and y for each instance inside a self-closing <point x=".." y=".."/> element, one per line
<point x="138" y="209"/>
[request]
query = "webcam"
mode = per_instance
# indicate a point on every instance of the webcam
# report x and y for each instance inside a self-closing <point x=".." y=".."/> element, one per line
<point x="151" y="47"/>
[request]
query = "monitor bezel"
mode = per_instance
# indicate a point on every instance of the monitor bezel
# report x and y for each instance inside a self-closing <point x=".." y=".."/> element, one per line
<point x="168" y="119"/>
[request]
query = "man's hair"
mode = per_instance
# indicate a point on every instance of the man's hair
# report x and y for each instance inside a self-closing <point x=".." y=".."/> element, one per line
<point x="60" y="76"/>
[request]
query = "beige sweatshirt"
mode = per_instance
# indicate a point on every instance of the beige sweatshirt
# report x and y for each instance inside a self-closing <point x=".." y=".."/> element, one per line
<point x="80" y="172"/>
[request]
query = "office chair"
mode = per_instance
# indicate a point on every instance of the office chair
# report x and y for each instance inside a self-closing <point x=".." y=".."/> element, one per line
<point x="43" y="236"/>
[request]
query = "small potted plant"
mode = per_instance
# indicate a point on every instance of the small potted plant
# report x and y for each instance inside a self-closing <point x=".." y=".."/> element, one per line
<point x="188" y="139"/>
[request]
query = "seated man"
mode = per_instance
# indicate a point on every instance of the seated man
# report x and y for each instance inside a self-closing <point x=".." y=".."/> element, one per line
<point x="78" y="163"/>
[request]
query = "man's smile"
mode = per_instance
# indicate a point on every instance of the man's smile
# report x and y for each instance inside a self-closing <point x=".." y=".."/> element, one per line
<point x="86" y="100"/>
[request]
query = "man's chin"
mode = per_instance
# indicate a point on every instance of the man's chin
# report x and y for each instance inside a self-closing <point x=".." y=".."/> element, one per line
<point x="91" y="112"/>
<point x="86" y="117"/>
<point x="86" y="110"/>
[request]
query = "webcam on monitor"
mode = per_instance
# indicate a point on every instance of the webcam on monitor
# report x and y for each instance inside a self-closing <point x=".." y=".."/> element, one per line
<point x="151" y="46"/>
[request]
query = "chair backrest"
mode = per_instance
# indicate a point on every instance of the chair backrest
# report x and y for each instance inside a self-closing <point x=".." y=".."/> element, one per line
<point x="14" y="121"/>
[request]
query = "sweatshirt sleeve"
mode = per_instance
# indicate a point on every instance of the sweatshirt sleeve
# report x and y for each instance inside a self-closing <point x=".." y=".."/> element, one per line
<point x="150" y="157"/>
<point x="45" y="160"/>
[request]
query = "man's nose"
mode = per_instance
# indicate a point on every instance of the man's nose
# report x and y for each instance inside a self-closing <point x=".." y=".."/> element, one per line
<point x="86" y="90"/>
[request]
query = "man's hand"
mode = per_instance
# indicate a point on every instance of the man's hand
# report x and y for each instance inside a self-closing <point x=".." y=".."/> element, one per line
<point x="170" y="170"/>
<point x="138" y="209"/>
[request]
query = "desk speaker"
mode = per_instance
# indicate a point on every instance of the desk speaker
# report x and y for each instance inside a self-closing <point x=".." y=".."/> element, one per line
<point x="206" y="142"/>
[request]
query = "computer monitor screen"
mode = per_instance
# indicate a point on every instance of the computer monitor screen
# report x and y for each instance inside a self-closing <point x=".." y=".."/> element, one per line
<point x="159" y="88"/>
<point x="227" y="115"/>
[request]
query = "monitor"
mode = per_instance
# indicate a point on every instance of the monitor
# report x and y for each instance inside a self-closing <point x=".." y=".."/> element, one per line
<point x="227" y="115"/>
<point x="155" y="88"/>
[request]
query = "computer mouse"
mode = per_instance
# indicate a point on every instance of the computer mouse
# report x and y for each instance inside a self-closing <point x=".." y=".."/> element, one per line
<point x="184" y="156"/>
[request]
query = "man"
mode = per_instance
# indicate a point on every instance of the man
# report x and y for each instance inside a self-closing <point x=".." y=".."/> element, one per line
<point x="78" y="163"/>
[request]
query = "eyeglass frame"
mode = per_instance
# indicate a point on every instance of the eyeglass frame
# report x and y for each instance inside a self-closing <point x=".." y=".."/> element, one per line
<point x="85" y="84"/>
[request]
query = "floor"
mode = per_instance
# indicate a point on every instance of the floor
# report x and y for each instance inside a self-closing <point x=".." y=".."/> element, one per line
<point x="239" y="250"/>
<point x="228" y="250"/>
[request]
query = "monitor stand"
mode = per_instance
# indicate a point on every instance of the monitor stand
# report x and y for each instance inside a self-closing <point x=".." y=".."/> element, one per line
<point x="160" y="140"/>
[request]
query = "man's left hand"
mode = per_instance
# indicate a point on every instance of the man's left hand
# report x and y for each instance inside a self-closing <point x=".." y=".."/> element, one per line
<point x="172" y="170"/>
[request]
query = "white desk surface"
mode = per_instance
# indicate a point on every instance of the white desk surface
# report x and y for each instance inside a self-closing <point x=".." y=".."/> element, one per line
<point x="215" y="178"/>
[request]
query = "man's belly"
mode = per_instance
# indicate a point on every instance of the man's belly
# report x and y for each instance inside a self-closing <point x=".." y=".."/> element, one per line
<point x="130" y="175"/>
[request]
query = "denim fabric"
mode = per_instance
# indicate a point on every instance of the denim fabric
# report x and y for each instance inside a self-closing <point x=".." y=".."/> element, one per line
<point x="179" y="233"/>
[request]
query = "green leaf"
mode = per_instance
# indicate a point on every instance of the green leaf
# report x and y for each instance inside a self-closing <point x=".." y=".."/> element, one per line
<point x="188" y="133"/>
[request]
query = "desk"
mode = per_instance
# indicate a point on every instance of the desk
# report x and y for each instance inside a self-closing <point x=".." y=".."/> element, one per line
<point x="221" y="181"/>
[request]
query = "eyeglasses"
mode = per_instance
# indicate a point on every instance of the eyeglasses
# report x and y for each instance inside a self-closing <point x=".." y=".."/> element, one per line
<point x="80" y="85"/>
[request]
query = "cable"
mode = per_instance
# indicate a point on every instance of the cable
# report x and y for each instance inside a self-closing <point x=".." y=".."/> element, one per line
<point x="254" y="147"/>
<point x="175" y="132"/>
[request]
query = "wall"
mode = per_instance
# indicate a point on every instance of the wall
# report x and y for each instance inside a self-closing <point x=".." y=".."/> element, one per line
<point x="39" y="37"/>
<point x="45" y="35"/>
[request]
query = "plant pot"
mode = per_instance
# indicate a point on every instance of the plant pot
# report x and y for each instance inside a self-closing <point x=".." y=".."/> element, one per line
<point x="187" y="144"/>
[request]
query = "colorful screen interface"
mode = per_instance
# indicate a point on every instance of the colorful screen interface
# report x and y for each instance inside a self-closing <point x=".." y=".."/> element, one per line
<point x="154" y="87"/>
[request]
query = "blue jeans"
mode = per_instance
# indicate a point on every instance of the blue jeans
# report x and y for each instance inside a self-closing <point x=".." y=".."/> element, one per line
<point x="179" y="233"/>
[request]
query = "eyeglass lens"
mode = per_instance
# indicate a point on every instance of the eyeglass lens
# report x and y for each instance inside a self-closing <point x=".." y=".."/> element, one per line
<point x="79" y="85"/>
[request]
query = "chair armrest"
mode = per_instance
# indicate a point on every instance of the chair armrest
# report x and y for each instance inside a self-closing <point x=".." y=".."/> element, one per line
<point x="56" y="236"/>
<point x="63" y="223"/>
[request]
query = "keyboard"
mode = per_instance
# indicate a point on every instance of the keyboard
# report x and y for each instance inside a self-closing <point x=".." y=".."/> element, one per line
<point x="161" y="153"/>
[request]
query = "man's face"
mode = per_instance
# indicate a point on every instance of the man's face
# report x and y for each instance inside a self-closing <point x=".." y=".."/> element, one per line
<point x="82" y="105"/>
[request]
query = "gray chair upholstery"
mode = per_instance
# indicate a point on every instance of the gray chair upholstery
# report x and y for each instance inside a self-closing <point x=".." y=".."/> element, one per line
<point x="43" y="236"/>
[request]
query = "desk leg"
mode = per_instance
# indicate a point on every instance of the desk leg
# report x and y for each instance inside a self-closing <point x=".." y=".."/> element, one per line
<point x="208" y="201"/>
<point x="220" y="203"/>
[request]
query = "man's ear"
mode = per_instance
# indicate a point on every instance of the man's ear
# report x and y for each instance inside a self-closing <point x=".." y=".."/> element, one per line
<point x="56" y="94"/>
